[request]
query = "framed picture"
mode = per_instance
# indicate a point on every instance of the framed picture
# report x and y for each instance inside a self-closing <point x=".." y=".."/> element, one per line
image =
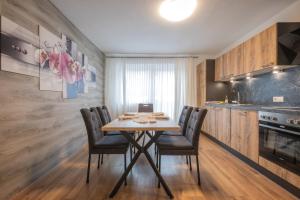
<point x="19" y="49"/>
<point x="51" y="71"/>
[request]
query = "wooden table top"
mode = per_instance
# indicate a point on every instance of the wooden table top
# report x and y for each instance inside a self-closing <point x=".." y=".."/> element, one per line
<point x="133" y="124"/>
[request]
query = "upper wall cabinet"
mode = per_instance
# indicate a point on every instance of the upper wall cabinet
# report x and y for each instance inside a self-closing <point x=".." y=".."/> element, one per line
<point x="277" y="45"/>
<point x="261" y="51"/>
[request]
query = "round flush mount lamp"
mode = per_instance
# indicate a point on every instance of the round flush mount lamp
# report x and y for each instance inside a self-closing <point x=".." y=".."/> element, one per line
<point x="177" y="10"/>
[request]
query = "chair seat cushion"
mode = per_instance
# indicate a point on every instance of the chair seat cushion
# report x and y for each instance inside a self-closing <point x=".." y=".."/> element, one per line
<point x="172" y="133"/>
<point x="113" y="141"/>
<point x="173" y="142"/>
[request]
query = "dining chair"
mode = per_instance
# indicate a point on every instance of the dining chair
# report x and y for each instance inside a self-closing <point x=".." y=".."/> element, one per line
<point x="105" y="118"/>
<point x="183" y="120"/>
<point x="98" y="142"/>
<point x="145" y="107"/>
<point x="187" y="144"/>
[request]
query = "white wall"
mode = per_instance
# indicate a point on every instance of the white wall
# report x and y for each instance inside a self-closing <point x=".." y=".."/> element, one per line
<point x="290" y="14"/>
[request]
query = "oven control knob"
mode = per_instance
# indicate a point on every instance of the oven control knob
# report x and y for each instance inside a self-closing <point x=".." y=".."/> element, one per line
<point x="268" y="118"/>
<point x="290" y="121"/>
<point x="275" y="119"/>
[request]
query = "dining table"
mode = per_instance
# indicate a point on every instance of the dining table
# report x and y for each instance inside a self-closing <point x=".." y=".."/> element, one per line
<point x="144" y="123"/>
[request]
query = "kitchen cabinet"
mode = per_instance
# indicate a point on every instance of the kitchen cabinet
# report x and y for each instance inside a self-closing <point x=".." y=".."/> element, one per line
<point x="237" y="60"/>
<point x="264" y="50"/>
<point x="227" y="67"/>
<point x="268" y="47"/>
<point x="230" y="64"/>
<point x="244" y="133"/>
<point x="290" y="177"/>
<point x="250" y="54"/>
<point x="219" y="72"/>
<point x="217" y="124"/>
<point x="275" y="45"/>
<point x="209" y="124"/>
<point x="222" y="124"/>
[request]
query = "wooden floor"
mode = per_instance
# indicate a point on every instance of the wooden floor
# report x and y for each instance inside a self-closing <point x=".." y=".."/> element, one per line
<point x="223" y="176"/>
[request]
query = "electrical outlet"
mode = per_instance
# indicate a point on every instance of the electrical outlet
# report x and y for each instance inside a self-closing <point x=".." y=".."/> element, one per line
<point x="278" y="99"/>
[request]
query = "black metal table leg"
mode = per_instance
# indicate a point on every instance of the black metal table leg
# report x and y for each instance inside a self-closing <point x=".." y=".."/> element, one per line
<point x="136" y="156"/>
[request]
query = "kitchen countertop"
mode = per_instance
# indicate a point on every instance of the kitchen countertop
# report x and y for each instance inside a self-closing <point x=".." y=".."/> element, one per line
<point x="253" y="107"/>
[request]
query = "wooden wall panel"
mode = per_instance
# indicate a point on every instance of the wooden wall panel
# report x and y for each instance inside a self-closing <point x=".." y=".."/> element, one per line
<point x="38" y="129"/>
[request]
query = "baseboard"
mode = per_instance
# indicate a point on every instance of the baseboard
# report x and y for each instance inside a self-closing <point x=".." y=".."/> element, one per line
<point x="283" y="183"/>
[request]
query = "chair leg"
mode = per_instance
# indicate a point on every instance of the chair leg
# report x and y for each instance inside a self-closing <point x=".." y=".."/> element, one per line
<point x="144" y="137"/>
<point x="156" y="159"/>
<point x="125" y="166"/>
<point x="190" y="161"/>
<point x="88" y="169"/>
<point x="132" y="145"/>
<point x="198" y="171"/>
<point x="159" y="168"/>
<point x="187" y="160"/>
<point x="98" y="161"/>
<point x="131" y="152"/>
<point x="102" y="159"/>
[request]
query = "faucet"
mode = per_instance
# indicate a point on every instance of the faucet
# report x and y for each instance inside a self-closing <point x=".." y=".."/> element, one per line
<point x="238" y="98"/>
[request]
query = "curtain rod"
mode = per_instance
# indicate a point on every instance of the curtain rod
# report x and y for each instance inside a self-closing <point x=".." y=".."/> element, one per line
<point x="151" y="56"/>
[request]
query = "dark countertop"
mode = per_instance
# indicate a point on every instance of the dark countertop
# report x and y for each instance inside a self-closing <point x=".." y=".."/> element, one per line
<point x="253" y="107"/>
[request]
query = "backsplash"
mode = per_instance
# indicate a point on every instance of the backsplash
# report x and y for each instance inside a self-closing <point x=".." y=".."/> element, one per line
<point x="261" y="89"/>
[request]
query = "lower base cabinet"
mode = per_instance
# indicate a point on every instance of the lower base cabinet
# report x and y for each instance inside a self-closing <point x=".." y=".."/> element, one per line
<point x="239" y="130"/>
<point x="223" y="119"/>
<point x="290" y="177"/>
<point x="244" y="133"/>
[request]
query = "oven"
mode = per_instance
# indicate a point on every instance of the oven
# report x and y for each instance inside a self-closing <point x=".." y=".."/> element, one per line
<point x="279" y="139"/>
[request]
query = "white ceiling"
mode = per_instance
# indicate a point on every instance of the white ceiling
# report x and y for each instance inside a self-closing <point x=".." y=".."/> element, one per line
<point x="135" y="27"/>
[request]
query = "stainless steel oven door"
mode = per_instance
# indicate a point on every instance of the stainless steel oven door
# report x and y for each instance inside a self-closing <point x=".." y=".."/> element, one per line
<point x="280" y="144"/>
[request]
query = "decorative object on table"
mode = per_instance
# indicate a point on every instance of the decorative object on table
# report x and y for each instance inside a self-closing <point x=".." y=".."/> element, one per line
<point x="19" y="49"/>
<point x="51" y="69"/>
<point x="141" y="120"/>
<point x="126" y="117"/>
<point x="161" y="117"/>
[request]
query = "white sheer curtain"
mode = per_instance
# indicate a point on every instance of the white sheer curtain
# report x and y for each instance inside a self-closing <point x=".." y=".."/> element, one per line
<point x="168" y="83"/>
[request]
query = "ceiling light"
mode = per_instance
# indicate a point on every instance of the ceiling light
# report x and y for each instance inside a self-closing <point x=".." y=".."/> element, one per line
<point x="177" y="10"/>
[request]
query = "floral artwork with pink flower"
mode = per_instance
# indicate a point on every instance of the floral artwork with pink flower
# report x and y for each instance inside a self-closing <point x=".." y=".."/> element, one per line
<point x="50" y="61"/>
<point x="62" y="66"/>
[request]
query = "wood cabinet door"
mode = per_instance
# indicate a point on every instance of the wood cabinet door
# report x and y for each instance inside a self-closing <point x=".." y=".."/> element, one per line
<point x="237" y="60"/>
<point x="212" y="122"/>
<point x="219" y="69"/>
<point x="244" y="133"/>
<point x="209" y="123"/>
<point x="227" y="66"/>
<point x="249" y="55"/>
<point x="268" y="39"/>
<point x="261" y="50"/>
<point x="223" y="125"/>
